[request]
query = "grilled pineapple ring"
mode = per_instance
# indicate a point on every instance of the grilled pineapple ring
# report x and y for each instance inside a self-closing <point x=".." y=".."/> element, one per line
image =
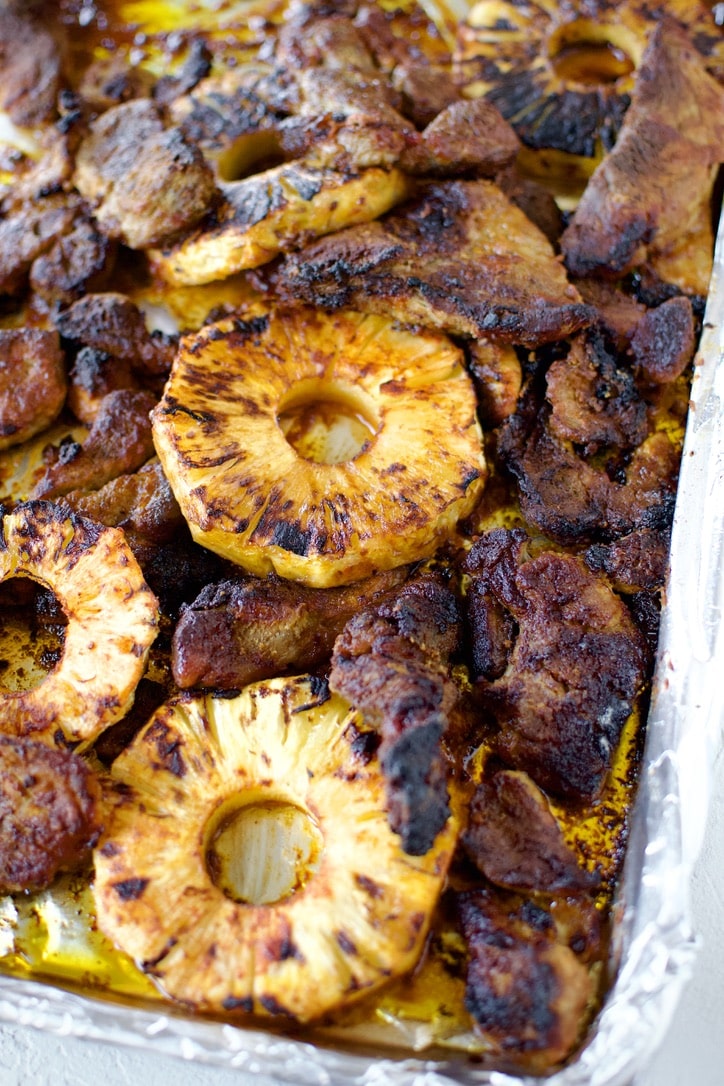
<point x="355" y="918"/>
<point x="246" y="492"/>
<point x="112" y="622"/>
<point x="539" y="62"/>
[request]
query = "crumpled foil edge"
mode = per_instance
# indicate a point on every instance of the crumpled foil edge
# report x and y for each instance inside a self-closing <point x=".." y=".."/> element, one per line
<point x="654" y="943"/>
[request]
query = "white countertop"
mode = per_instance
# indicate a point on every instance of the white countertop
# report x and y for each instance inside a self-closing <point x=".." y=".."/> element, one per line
<point x="692" y="1053"/>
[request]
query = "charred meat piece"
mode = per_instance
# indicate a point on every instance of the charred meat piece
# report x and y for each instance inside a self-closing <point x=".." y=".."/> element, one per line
<point x="196" y="66"/>
<point x="50" y="809"/>
<point x="514" y="838"/>
<point x="526" y="989"/>
<point x="93" y="376"/>
<point x="119" y="441"/>
<point x="536" y="202"/>
<point x="459" y="257"/>
<point x="32" y="383"/>
<point x="111" y="322"/>
<point x="27" y="232"/>
<point x="496" y="371"/>
<point x="637" y="562"/>
<point x="576" y="662"/>
<point x="594" y="400"/>
<point x="145" y="183"/>
<point x="574" y="501"/>
<point x="468" y="137"/>
<point x="618" y="313"/>
<point x="663" y="341"/>
<point x="31" y="62"/>
<point x="391" y="663"/>
<point x="141" y="503"/>
<point x="79" y="261"/>
<point x="651" y="196"/>
<point x="240" y="631"/>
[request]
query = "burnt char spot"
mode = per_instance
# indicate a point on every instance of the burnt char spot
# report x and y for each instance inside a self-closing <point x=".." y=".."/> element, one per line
<point x="130" y="889"/>
<point x="168" y="750"/>
<point x="232" y="1003"/>
<point x="290" y="537"/>
<point x="273" y="1006"/>
<point x="363" y="744"/>
<point x="369" y="886"/>
<point x="345" y="944"/>
<point x="319" y="689"/>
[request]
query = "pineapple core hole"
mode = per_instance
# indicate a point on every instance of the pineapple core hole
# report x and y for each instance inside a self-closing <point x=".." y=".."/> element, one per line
<point x="327" y="424"/>
<point x="593" y="54"/>
<point x="32" y="634"/>
<point x="251" y="153"/>
<point x="263" y="852"/>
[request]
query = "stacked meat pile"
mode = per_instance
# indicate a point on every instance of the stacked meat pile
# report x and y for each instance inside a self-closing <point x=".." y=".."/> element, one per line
<point x="341" y="165"/>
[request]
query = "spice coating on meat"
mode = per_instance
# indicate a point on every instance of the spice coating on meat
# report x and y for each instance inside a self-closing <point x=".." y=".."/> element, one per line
<point x="576" y="662"/>
<point x="651" y="196"/>
<point x="32" y="383"/>
<point x="49" y="813"/>
<point x="142" y="199"/>
<point x="573" y="500"/>
<point x="111" y="322"/>
<point x="119" y="441"/>
<point x="526" y="990"/>
<point x="459" y="257"/>
<point x="237" y="632"/>
<point x="391" y="664"/>
<point x="513" y="837"/>
<point x="663" y="341"/>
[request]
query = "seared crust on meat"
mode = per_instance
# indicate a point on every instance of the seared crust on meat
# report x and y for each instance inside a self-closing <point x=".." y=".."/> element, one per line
<point x="650" y="199"/>
<point x="147" y="198"/>
<point x="32" y="383"/>
<point x="113" y="323"/>
<point x="119" y="441"/>
<point x="664" y="340"/>
<point x="468" y="138"/>
<point x="573" y="500"/>
<point x="50" y="813"/>
<point x="459" y="257"/>
<point x="513" y="837"/>
<point x="31" y="61"/>
<point x="392" y="665"/>
<point x="28" y="231"/>
<point x="526" y="989"/>
<point x="576" y="662"/>
<point x="237" y="632"/>
<point x="637" y="562"/>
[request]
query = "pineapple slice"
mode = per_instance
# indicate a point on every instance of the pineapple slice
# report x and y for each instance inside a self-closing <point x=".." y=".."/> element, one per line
<point x="324" y="517"/>
<point x="248" y="865"/>
<point x="275" y="211"/>
<point x="112" y="622"/>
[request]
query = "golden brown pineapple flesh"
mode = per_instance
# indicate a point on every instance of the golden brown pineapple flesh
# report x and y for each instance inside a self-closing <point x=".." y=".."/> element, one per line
<point x="251" y="496"/>
<point x="296" y="936"/>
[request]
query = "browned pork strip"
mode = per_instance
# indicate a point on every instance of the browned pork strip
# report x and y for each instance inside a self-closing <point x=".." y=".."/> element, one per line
<point x="31" y="62"/>
<point x="513" y="837"/>
<point x="28" y="231"/>
<point x="239" y="631"/>
<point x="391" y="663"/>
<point x="80" y="260"/>
<point x="526" y="988"/>
<point x="663" y="341"/>
<point x="119" y="441"/>
<point x="111" y="322"/>
<point x="650" y="198"/>
<point x="637" y="562"/>
<point x="459" y="257"/>
<point x="575" y="662"/>
<point x="49" y="813"/>
<point x="145" y="183"/>
<point x="32" y="383"/>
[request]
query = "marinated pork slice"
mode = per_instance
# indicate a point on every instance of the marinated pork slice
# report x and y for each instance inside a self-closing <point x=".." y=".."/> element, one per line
<point x="237" y="632"/>
<point x="145" y="183"/>
<point x="94" y="374"/>
<point x="81" y="260"/>
<point x="111" y="322"/>
<point x="28" y="231"/>
<point x="637" y="562"/>
<point x="33" y="383"/>
<point x="664" y="340"/>
<point x="574" y="662"/>
<point x="50" y="813"/>
<point x="392" y="664"/>
<point x="527" y="990"/>
<point x="514" y="839"/>
<point x="31" y="62"/>
<point x="650" y="198"/>
<point x="119" y="441"/>
<point x="459" y="257"/>
<point x="467" y="137"/>
<point x="573" y="500"/>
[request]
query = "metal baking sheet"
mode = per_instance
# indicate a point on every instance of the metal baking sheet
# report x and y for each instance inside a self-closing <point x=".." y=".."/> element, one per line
<point x="654" y="946"/>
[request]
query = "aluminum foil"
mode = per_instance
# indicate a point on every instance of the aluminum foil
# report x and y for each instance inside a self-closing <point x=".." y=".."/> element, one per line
<point x="654" y="944"/>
